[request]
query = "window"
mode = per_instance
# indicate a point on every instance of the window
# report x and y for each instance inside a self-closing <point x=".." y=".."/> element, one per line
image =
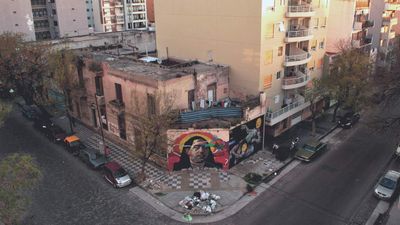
<point x="118" y="92"/>
<point x="313" y="45"/>
<point x="14" y="12"/>
<point x="73" y="9"/>
<point x="268" y="56"/>
<point x="323" y="22"/>
<point x="280" y="51"/>
<point x="74" y="20"/>
<point x="55" y="23"/>
<point x="211" y="92"/>
<point x="278" y="75"/>
<point x="315" y="23"/>
<point x="276" y="99"/>
<point x="321" y="44"/>
<point x="54" y="12"/>
<point x="121" y="126"/>
<point x="87" y="10"/>
<point x="269" y="31"/>
<point x="191" y="99"/>
<point x="98" y="80"/>
<point x="16" y="24"/>
<point x="151" y="104"/>
<point x="267" y="81"/>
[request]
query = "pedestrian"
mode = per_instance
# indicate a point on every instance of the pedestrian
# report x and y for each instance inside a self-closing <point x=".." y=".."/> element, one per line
<point x="107" y="151"/>
<point x="274" y="148"/>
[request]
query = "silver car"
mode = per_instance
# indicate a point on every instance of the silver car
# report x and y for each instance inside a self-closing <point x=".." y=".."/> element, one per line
<point x="387" y="185"/>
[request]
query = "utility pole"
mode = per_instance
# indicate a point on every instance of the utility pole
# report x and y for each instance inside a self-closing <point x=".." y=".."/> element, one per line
<point x="101" y="125"/>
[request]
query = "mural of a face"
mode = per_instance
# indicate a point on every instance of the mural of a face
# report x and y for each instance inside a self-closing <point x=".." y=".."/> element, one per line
<point x="197" y="150"/>
<point x="198" y="153"/>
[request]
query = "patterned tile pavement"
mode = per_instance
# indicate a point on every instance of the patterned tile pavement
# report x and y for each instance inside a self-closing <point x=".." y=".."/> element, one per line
<point x="200" y="180"/>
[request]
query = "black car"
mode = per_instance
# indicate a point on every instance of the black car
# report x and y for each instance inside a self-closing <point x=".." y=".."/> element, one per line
<point x="42" y="124"/>
<point x="348" y="120"/>
<point x="31" y="112"/>
<point x="55" y="134"/>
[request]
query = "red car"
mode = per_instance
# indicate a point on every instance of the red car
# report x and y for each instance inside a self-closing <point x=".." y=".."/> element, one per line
<point x="116" y="175"/>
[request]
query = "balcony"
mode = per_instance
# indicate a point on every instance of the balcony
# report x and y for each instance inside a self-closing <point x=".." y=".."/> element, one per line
<point x="297" y="57"/>
<point x="301" y="79"/>
<point x="300" y="11"/>
<point x="392" y="6"/>
<point x="117" y="105"/>
<point x="357" y="26"/>
<point x="271" y="118"/>
<point x="388" y="21"/>
<point x="298" y="35"/>
<point x="368" y="24"/>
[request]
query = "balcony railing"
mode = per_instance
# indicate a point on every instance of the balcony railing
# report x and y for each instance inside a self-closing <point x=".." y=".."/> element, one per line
<point x="357" y="26"/>
<point x="293" y="82"/>
<point x="295" y="105"/>
<point x="299" y="57"/>
<point x="299" y="33"/>
<point x="300" y="8"/>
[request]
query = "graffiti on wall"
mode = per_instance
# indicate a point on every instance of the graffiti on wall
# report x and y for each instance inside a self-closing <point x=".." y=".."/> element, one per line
<point x="198" y="150"/>
<point x="245" y="140"/>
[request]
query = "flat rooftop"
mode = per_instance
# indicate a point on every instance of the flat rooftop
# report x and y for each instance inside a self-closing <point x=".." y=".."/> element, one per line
<point x="157" y="69"/>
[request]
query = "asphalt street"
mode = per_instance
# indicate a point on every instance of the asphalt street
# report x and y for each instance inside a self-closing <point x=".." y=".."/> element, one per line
<point x="335" y="189"/>
<point x="70" y="192"/>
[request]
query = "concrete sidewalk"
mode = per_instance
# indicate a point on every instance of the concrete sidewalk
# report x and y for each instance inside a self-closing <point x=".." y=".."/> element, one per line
<point x="394" y="213"/>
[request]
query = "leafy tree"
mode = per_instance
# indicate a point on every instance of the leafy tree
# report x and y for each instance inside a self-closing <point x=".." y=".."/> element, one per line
<point x="18" y="173"/>
<point x="23" y="66"/>
<point x="348" y="77"/>
<point x="151" y="124"/>
<point x="313" y="95"/>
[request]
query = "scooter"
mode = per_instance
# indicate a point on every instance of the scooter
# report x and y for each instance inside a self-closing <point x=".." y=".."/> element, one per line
<point x="397" y="152"/>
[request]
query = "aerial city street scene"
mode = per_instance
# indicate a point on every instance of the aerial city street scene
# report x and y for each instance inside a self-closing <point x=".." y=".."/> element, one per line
<point x="217" y="112"/>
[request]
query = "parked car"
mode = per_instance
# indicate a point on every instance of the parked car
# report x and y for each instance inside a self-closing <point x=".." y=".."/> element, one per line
<point x="30" y="111"/>
<point x="55" y="134"/>
<point x="387" y="185"/>
<point x="116" y="175"/>
<point x="310" y="150"/>
<point x="92" y="158"/>
<point x="42" y="124"/>
<point x="73" y="144"/>
<point x="348" y="120"/>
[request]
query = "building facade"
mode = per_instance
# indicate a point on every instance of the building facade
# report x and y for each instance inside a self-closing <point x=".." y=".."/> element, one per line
<point x="41" y="19"/>
<point x="274" y="47"/>
<point x="349" y="21"/>
<point x="383" y="12"/>
<point x="123" y="81"/>
<point x="119" y="15"/>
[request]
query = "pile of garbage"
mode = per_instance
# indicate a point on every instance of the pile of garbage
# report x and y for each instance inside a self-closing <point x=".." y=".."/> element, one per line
<point x="201" y="200"/>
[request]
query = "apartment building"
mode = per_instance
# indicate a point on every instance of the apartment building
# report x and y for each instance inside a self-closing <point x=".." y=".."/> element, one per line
<point x="44" y="19"/>
<point x="383" y="12"/>
<point x="119" y="15"/>
<point x="275" y="47"/>
<point x="349" y="21"/>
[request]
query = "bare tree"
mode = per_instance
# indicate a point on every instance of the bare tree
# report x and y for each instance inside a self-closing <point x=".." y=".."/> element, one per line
<point x="313" y="95"/>
<point x="18" y="172"/>
<point x="151" y="124"/>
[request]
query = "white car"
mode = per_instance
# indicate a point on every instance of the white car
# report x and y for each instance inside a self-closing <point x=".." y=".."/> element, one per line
<point x="387" y="185"/>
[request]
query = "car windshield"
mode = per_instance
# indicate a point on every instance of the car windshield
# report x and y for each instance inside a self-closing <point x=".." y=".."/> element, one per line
<point x="57" y="130"/>
<point x="309" y="148"/>
<point x="120" y="173"/>
<point x="388" y="183"/>
<point x="74" y="144"/>
<point x="98" y="156"/>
